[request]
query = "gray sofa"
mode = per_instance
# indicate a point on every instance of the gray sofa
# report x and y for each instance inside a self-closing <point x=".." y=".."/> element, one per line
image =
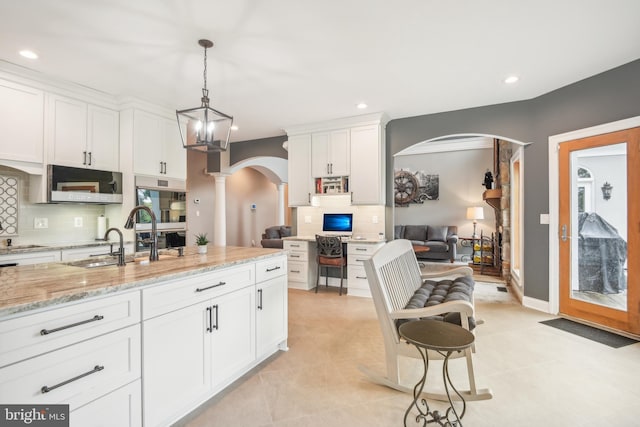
<point x="440" y="239"/>
<point x="272" y="236"/>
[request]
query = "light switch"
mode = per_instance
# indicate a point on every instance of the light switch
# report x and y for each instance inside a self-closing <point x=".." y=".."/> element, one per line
<point x="374" y="219"/>
<point x="544" y="218"/>
<point x="77" y="221"/>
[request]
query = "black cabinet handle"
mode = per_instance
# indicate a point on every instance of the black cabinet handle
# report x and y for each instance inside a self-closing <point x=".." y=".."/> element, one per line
<point x="295" y="271"/>
<point x="277" y="267"/>
<point x="211" y="287"/>
<point x="294" y="256"/>
<point x="360" y="277"/>
<point x="47" y="389"/>
<point x="84" y="159"/>
<point x="361" y="249"/>
<point x="259" y="299"/>
<point x="215" y="326"/>
<point x="210" y="326"/>
<point x="89" y="158"/>
<point x="50" y="331"/>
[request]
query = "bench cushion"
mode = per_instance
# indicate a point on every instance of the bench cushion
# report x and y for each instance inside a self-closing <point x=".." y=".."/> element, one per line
<point x="434" y="292"/>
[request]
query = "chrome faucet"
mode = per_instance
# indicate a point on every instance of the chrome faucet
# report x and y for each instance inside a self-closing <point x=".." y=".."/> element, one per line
<point x="153" y="255"/>
<point x="121" y="262"/>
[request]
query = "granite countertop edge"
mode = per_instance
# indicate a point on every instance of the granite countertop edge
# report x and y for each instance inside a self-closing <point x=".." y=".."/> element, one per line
<point x="81" y="294"/>
<point x="8" y="250"/>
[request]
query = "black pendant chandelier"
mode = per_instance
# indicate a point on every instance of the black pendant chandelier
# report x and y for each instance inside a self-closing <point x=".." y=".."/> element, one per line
<point x="207" y="130"/>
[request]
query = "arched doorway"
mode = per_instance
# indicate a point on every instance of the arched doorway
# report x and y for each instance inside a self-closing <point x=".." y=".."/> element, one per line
<point x="461" y="161"/>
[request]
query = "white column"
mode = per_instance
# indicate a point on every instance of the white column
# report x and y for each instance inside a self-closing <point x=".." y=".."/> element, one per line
<point x="280" y="204"/>
<point x="220" y="211"/>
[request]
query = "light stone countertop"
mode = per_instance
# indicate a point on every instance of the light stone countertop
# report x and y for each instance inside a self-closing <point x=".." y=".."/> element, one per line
<point x="27" y="248"/>
<point x="344" y="239"/>
<point x="30" y="287"/>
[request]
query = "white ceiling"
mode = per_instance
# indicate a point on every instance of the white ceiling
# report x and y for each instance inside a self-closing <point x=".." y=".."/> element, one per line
<point x="289" y="62"/>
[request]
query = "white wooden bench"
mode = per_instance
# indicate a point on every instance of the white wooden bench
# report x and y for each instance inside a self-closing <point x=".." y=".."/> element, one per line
<point x="394" y="276"/>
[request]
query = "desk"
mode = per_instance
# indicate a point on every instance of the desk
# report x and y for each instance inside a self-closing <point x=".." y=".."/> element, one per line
<point x="444" y="338"/>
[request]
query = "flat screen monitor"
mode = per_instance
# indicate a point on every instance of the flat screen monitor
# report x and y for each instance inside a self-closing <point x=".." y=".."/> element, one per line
<point x="337" y="223"/>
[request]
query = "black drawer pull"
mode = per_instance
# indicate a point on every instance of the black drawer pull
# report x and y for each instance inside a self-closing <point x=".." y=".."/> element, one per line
<point x="210" y="287"/>
<point x="360" y="277"/>
<point x="210" y="327"/>
<point x="259" y="299"/>
<point x="277" y="267"/>
<point x="295" y="271"/>
<point x="361" y="249"/>
<point x="47" y="389"/>
<point x="295" y="246"/>
<point x="50" y="331"/>
<point x="360" y="260"/>
<point x="294" y="256"/>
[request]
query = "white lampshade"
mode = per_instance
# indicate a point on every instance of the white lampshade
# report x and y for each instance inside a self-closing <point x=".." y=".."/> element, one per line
<point x="475" y="213"/>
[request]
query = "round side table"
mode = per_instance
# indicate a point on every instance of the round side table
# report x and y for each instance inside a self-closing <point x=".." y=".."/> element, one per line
<point x="444" y="338"/>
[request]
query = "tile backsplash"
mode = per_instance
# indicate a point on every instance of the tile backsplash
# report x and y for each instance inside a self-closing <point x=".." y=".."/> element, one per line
<point x="61" y="220"/>
<point x="368" y="221"/>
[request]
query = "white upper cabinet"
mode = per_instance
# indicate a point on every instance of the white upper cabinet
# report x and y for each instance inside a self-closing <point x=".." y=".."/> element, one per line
<point x="157" y="150"/>
<point x="352" y="147"/>
<point x="82" y="135"/>
<point x="299" y="165"/>
<point x="330" y="153"/>
<point x="368" y="168"/>
<point x="21" y="123"/>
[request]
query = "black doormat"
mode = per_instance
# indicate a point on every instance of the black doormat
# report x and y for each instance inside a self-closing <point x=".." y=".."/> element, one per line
<point x="589" y="332"/>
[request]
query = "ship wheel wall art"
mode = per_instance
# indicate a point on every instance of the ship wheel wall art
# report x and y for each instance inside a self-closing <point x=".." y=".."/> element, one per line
<point x="414" y="187"/>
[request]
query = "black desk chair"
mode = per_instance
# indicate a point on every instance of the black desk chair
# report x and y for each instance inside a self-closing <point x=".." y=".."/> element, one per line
<point x="330" y="255"/>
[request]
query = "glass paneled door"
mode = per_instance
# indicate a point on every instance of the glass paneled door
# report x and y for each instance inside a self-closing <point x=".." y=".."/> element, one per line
<point x="599" y="229"/>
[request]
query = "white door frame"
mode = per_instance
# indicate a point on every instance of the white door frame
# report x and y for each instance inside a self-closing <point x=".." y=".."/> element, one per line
<point x="554" y="249"/>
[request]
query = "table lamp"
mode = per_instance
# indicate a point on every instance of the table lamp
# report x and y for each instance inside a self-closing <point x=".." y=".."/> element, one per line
<point x="475" y="213"/>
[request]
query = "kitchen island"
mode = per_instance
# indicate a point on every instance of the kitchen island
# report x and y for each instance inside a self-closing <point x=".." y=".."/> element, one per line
<point x="170" y="333"/>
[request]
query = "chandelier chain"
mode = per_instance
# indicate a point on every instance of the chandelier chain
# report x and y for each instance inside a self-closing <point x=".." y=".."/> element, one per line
<point x="205" y="68"/>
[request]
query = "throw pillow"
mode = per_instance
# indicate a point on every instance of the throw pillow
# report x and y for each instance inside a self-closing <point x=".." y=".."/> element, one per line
<point x="437" y="233"/>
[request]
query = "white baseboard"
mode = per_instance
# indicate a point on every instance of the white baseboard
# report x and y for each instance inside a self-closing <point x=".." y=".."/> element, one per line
<point x="536" y="304"/>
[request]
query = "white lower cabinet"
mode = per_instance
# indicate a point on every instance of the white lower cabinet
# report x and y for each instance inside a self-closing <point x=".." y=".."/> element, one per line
<point x="302" y="266"/>
<point x="122" y="408"/>
<point x="232" y="336"/>
<point x="193" y="352"/>
<point x="357" y="253"/>
<point x="272" y="315"/>
<point x="176" y="363"/>
<point x="76" y="374"/>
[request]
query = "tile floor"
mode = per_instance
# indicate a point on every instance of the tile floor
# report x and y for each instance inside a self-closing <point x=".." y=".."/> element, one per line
<point x="540" y="376"/>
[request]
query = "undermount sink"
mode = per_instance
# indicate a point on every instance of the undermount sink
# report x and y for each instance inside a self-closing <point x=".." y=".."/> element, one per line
<point x="92" y="263"/>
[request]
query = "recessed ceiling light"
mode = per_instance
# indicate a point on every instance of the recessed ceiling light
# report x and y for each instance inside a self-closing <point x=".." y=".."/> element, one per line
<point x="234" y="127"/>
<point x="511" y="79"/>
<point x="29" y="54"/>
<point x="362" y="106"/>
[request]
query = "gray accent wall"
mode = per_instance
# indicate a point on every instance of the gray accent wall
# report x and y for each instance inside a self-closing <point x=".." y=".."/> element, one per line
<point x="607" y="97"/>
<point x="265" y="147"/>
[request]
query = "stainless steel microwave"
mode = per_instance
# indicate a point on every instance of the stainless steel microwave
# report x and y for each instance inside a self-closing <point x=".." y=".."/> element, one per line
<point x="79" y="185"/>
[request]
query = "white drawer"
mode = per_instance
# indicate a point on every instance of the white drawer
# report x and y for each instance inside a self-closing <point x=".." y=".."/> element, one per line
<point x="297" y="271"/>
<point x="357" y="278"/>
<point x="175" y="294"/>
<point x="296" y="245"/>
<point x="357" y="259"/>
<point x="122" y="408"/>
<point x="298" y="256"/>
<point x="271" y="268"/>
<point x="363" y="248"/>
<point x="76" y="374"/>
<point x="34" y="334"/>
